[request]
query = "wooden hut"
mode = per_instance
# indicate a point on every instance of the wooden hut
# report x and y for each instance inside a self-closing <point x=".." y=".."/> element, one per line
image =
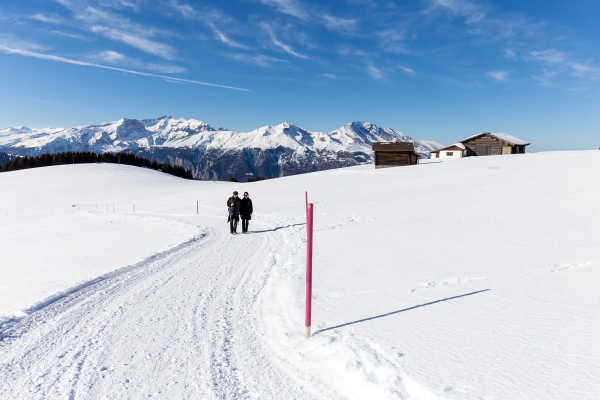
<point x="394" y="154"/>
<point x="491" y="144"/>
<point x="454" y="151"/>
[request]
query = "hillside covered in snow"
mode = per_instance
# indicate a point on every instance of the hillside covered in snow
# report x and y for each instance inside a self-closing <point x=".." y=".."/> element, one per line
<point x="482" y="284"/>
<point x="215" y="154"/>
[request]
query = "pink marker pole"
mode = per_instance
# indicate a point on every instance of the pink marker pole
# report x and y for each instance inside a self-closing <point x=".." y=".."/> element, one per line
<point x="309" y="243"/>
<point x="196" y="207"/>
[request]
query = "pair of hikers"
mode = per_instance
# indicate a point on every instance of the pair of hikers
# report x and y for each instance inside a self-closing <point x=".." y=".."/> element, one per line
<point x="239" y="208"/>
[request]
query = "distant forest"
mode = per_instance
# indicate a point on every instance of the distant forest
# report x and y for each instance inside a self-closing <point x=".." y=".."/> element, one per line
<point x="5" y="157"/>
<point x="46" y="160"/>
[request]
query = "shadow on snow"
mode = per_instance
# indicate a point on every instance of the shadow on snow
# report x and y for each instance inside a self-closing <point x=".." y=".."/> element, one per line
<point x="278" y="228"/>
<point x="399" y="311"/>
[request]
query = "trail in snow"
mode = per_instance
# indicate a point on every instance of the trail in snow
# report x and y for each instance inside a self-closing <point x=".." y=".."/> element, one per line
<point x="182" y="326"/>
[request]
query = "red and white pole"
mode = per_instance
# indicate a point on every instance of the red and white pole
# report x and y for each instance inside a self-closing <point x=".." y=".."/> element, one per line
<point x="309" y="243"/>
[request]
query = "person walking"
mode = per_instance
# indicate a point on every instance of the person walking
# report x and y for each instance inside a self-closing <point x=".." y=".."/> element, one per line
<point x="246" y="212"/>
<point x="234" y="205"/>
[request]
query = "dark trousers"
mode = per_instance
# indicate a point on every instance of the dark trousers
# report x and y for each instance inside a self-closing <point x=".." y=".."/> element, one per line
<point x="245" y="223"/>
<point x="233" y="224"/>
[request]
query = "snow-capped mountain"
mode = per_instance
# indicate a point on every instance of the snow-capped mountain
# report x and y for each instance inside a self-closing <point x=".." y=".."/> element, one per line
<point x="270" y="151"/>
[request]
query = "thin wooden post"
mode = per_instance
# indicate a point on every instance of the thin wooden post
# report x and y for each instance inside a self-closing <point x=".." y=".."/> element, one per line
<point x="196" y="207"/>
<point x="309" y="248"/>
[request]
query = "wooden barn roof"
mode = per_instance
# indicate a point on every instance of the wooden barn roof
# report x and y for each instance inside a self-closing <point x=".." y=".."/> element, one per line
<point x="502" y="136"/>
<point x="393" y="146"/>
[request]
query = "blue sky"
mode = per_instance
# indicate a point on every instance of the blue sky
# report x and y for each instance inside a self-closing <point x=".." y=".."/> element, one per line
<point x="433" y="69"/>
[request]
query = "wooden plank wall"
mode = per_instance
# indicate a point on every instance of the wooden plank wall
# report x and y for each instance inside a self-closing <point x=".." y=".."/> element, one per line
<point x="394" y="159"/>
<point x="495" y="145"/>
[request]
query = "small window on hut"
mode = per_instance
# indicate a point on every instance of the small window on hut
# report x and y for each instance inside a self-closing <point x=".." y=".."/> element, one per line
<point x="449" y="153"/>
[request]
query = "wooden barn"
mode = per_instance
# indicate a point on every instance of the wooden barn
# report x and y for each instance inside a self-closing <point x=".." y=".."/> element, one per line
<point x="394" y="154"/>
<point x="492" y="144"/>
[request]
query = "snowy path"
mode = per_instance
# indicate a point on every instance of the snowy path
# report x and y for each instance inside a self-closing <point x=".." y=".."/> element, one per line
<point x="186" y="322"/>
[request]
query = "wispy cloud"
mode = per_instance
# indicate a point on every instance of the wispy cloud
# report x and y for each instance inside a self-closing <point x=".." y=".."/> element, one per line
<point x="208" y="18"/>
<point x="109" y="56"/>
<point x="139" y="42"/>
<point x="558" y="62"/>
<point x="115" y="27"/>
<point x="227" y="40"/>
<point x="185" y="10"/>
<point x="499" y="75"/>
<point x="406" y="70"/>
<point x="285" y="47"/>
<point x="376" y="73"/>
<point x="289" y="7"/>
<point x="393" y="41"/>
<point x="260" y="60"/>
<point x="115" y="58"/>
<point x="69" y="35"/>
<point x="550" y="56"/>
<point x="50" y="57"/>
<point x="48" y="18"/>
<point x="339" y="24"/>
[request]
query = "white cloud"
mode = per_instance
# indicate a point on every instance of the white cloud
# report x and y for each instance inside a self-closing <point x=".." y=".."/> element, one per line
<point x="69" y="35"/>
<point x="115" y="27"/>
<point x="260" y="60"/>
<point x="225" y="39"/>
<point x="550" y="56"/>
<point x="49" y="57"/>
<point x="48" y="18"/>
<point x="583" y="69"/>
<point x="407" y="70"/>
<point x="329" y="76"/>
<point x="287" y="48"/>
<point x="392" y="41"/>
<point x="185" y="10"/>
<point x="109" y="56"/>
<point x="510" y="53"/>
<point x="113" y="57"/>
<point x="290" y="7"/>
<point x="340" y="24"/>
<point x="375" y="72"/>
<point x="139" y="42"/>
<point x="499" y="75"/>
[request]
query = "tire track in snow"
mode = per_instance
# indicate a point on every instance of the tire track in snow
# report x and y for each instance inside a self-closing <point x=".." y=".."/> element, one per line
<point x="185" y="325"/>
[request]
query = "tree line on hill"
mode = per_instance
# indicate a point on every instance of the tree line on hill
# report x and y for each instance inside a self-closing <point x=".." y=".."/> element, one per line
<point x="46" y="160"/>
<point x="4" y="157"/>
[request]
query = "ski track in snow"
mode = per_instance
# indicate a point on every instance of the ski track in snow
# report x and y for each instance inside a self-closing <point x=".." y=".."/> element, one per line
<point x="187" y="322"/>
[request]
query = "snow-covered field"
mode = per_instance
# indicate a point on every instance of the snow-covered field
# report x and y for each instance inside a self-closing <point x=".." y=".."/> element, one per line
<point x="472" y="279"/>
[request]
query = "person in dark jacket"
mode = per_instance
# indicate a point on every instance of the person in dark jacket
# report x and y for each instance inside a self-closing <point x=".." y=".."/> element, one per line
<point x="246" y="212"/>
<point x="234" y="205"/>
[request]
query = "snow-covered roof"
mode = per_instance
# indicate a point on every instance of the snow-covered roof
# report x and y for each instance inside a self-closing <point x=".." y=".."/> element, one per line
<point x="458" y="144"/>
<point x="502" y="136"/>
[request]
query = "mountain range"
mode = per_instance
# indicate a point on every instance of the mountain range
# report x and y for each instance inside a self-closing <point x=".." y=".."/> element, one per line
<point x="215" y="154"/>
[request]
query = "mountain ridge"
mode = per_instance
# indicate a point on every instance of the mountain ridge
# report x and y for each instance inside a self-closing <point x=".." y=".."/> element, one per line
<point x="271" y="151"/>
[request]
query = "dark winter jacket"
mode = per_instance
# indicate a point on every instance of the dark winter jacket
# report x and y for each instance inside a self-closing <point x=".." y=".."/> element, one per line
<point x="246" y="212"/>
<point x="234" y="211"/>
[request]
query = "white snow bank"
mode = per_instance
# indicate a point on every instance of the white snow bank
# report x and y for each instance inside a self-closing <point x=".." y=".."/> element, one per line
<point x="466" y="280"/>
<point x="56" y="232"/>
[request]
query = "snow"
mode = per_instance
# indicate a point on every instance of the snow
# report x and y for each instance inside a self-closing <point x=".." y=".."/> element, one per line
<point x="503" y="136"/>
<point x="459" y="145"/>
<point x="128" y="134"/>
<point x="409" y="303"/>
